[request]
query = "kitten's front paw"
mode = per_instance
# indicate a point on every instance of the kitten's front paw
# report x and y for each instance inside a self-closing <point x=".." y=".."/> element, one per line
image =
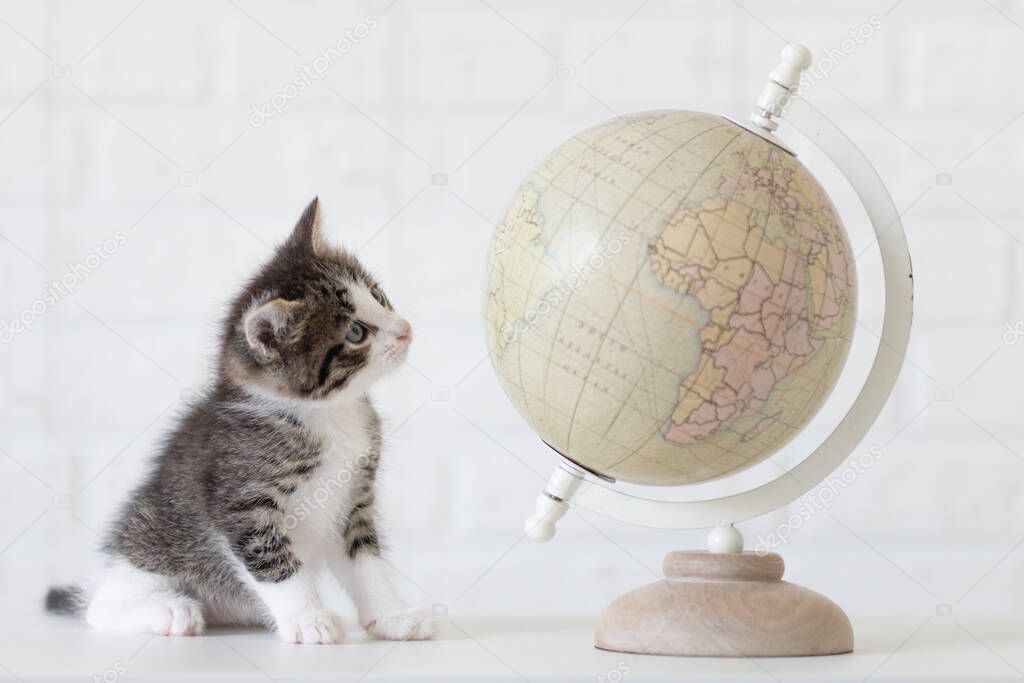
<point x="413" y="623"/>
<point x="318" y="627"/>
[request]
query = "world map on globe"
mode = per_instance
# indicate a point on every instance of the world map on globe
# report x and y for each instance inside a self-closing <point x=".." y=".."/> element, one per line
<point x="670" y="298"/>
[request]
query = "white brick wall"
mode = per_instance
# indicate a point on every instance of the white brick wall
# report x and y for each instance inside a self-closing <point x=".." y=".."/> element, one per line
<point x="169" y="88"/>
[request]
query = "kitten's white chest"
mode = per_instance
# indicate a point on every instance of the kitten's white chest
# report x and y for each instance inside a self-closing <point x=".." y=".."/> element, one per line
<point x="317" y="510"/>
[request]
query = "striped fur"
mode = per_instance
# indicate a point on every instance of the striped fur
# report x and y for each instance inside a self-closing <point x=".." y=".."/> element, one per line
<point x="360" y="531"/>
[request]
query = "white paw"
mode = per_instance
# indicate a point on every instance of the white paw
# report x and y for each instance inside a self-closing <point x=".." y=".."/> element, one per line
<point x="185" y="618"/>
<point x="413" y="623"/>
<point x="318" y="627"/>
<point x="165" y="616"/>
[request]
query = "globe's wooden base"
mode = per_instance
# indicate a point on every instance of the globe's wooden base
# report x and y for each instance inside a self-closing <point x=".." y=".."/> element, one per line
<point x="724" y="605"/>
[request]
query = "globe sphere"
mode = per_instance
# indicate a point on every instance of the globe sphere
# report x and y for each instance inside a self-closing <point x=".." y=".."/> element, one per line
<point x="670" y="298"/>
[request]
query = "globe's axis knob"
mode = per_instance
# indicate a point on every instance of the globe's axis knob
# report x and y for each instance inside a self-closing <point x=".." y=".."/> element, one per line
<point x="781" y="86"/>
<point x="552" y="502"/>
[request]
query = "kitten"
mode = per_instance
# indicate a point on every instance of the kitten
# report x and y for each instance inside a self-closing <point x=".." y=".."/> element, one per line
<point x="268" y="481"/>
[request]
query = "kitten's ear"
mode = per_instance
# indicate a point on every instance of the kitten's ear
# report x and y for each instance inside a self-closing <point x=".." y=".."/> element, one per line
<point x="271" y="327"/>
<point x="307" y="234"/>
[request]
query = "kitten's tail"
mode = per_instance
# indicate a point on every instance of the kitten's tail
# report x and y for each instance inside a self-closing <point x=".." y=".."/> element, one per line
<point x="67" y="600"/>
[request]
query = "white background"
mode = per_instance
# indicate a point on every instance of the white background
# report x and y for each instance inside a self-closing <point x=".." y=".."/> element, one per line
<point x="136" y="118"/>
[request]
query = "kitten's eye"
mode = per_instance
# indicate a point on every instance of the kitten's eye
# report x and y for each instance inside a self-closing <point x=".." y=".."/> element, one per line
<point x="356" y="334"/>
<point x="378" y="294"/>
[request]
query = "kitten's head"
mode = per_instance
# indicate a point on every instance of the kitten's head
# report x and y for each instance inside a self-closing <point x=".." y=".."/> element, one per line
<point x="312" y="324"/>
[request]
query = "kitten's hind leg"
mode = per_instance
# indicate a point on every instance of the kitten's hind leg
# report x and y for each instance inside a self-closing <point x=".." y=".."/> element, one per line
<point x="131" y="599"/>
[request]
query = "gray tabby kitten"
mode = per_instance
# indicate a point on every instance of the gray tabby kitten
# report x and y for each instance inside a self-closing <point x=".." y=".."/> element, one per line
<point x="224" y="530"/>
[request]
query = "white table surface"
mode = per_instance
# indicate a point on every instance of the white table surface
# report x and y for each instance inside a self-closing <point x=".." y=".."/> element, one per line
<point x="485" y="649"/>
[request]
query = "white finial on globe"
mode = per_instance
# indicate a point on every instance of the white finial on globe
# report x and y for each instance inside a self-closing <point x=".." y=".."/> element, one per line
<point x="551" y="505"/>
<point x="540" y="526"/>
<point x="781" y="86"/>
<point x="795" y="58"/>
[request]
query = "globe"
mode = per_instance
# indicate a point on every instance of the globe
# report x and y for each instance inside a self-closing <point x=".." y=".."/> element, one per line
<point x="670" y="298"/>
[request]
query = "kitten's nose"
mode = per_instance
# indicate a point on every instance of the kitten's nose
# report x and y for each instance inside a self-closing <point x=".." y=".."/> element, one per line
<point x="403" y="331"/>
